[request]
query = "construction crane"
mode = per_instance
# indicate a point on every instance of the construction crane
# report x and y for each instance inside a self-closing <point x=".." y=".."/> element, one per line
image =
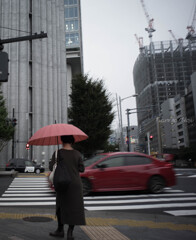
<point x="173" y="36"/>
<point x="150" y="29"/>
<point x="191" y="28"/>
<point x="140" y="41"/>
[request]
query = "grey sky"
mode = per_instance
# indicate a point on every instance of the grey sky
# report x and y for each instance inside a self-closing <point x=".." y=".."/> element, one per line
<point x="110" y="47"/>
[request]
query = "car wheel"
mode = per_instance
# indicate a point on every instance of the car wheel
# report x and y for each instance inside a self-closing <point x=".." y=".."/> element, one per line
<point x="37" y="171"/>
<point x="86" y="187"/>
<point x="156" y="184"/>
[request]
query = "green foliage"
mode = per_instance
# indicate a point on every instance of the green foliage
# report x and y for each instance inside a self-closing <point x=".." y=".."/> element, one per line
<point x="6" y="128"/>
<point x="91" y="111"/>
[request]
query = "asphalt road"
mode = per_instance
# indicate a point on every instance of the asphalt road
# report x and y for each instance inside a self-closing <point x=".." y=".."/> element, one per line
<point x="138" y="224"/>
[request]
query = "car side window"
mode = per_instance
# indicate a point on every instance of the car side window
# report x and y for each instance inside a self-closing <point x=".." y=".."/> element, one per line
<point x="28" y="163"/>
<point x="137" y="160"/>
<point x="20" y="163"/>
<point x="113" y="162"/>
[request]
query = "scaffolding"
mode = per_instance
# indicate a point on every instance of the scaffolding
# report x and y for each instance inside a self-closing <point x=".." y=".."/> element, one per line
<point x="162" y="71"/>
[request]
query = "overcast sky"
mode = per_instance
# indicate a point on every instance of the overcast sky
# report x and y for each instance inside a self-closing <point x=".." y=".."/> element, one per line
<point x="110" y="47"/>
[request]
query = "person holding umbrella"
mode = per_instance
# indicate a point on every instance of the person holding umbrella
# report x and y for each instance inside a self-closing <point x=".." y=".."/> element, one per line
<point x="69" y="204"/>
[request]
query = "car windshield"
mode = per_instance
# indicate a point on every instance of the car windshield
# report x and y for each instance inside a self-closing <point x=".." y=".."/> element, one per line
<point x="92" y="160"/>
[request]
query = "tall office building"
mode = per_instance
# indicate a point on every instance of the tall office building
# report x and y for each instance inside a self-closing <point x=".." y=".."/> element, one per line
<point x="36" y="92"/>
<point x="73" y="35"/>
<point x="161" y="71"/>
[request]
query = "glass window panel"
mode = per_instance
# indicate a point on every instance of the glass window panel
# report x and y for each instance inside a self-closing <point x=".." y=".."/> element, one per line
<point x="66" y="27"/>
<point x="71" y="12"/>
<point x="71" y="2"/>
<point x="75" y="12"/>
<point x="66" y="2"/>
<point x="66" y="12"/>
<point x="114" y="162"/>
<point x="137" y="160"/>
<point x="76" y="25"/>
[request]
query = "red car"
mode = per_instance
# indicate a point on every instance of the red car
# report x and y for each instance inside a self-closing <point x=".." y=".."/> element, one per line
<point x="123" y="171"/>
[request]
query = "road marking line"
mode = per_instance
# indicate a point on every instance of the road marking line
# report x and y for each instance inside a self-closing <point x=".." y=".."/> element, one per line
<point x="28" y="191"/>
<point x="28" y="204"/>
<point x="182" y="212"/>
<point x="26" y="188"/>
<point x="136" y="207"/>
<point x="28" y="199"/>
<point x="26" y="194"/>
<point x="140" y="196"/>
<point x="140" y="200"/>
<point x="192" y="176"/>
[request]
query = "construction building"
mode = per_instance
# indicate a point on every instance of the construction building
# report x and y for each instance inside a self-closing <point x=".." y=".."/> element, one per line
<point x="162" y="71"/>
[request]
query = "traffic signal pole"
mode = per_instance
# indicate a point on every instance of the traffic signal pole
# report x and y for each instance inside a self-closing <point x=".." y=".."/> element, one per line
<point x="4" y="56"/>
<point x="13" y="138"/>
<point x="148" y="139"/>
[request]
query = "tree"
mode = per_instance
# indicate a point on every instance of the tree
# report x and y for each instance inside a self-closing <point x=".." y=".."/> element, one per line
<point x="6" y="128"/>
<point x="91" y="111"/>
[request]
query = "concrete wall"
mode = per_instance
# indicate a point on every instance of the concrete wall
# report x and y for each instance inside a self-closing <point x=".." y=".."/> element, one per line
<point x="37" y="85"/>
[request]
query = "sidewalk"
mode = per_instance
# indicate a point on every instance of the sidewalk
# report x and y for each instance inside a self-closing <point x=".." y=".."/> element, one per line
<point x="110" y="225"/>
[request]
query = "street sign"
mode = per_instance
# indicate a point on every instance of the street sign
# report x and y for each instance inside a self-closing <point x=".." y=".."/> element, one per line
<point x="3" y="67"/>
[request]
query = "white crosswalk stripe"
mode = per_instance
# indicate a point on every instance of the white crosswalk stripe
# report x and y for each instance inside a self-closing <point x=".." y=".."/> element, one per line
<point x="36" y="192"/>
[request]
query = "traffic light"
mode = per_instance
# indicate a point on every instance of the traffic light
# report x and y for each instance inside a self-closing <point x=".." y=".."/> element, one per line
<point x="151" y="137"/>
<point x="14" y="122"/>
<point x="4" y="67"/>
<point x="27" y="146"/>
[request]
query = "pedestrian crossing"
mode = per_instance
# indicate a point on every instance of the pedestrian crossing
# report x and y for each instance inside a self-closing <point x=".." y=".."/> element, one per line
<point x="33" y="191"/>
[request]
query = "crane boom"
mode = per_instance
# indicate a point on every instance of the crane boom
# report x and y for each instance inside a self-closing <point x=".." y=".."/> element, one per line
<point x="173" y="36"/>
<point x="150" y="29"/>
<point x="191" y="28"/>
<point x="139" y="40"/>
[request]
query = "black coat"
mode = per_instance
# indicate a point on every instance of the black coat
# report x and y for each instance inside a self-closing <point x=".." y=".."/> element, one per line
<point x="71" y="202"/>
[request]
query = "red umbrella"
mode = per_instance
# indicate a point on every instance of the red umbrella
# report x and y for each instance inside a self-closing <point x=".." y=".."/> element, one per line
<point x="50" y="134"/>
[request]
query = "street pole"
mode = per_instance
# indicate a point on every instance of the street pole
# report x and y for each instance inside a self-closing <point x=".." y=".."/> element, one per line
<point x="121" y="124"/>
<point x="148" y="140"/>
<point x="128" y="131"/>
<point x="121" y="127"/>
<point x="13" y="137"/>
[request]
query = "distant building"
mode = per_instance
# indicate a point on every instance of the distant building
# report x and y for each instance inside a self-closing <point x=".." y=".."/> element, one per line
<point x="190" y="105"/>
<point x="168" y="124"/>
<point x="161" y="71"/>
<point x="181" y="122"/>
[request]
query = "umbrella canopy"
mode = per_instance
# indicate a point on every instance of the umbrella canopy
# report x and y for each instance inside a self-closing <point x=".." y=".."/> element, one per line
<point x="50" y="134"/>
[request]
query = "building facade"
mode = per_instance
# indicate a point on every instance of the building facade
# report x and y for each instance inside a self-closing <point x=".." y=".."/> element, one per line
<point x="161" y="71"/>
<point x="73" y="36"/>
<point x="168" y="124"/>
<point x="36" y="91"/>
<point x="190" y="104"/>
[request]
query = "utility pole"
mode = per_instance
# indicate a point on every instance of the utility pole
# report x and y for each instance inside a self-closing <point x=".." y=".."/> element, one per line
<point x="148" y="139"/>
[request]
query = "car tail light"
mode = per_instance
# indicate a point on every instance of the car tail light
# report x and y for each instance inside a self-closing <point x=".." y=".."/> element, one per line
<point x="8" y="164"/>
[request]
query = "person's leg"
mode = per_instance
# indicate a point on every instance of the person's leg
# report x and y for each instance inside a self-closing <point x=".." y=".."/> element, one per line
<point x="60" y="230"/>
<point x="70" y="232"/>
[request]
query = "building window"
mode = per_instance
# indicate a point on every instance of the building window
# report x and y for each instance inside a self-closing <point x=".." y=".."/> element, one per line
<point x="71" y="12"/>
<point x="70" y="2"/>
<point x="71" y="25"/>
<point x="72" y="39"/>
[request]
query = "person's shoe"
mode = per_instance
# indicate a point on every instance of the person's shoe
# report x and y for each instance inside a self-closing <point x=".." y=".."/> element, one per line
<point x="57" y="234"/>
